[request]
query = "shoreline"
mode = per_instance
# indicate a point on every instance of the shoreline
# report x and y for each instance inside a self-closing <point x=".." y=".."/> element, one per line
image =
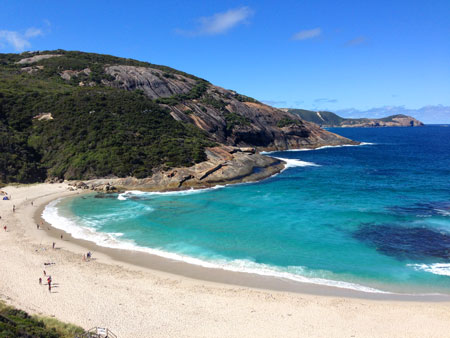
<point x="219" y="275"/>
<point x="136" y="301"/>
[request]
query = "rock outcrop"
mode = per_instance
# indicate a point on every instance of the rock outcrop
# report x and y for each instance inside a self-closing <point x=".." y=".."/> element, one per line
<point x="391" y="121"/>
<point x="225" y="165"/>
<point x="229" y="118"/>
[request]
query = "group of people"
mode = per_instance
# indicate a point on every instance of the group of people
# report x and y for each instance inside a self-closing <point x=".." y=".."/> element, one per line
<point x="49" y="281"/>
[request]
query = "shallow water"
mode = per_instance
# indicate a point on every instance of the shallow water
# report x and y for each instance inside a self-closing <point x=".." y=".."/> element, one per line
<point x="374" y="217"/>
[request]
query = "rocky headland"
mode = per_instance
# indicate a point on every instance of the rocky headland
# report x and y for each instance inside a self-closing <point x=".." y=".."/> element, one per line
<point x="328" y="119"/>
<point x="135" y="125"/>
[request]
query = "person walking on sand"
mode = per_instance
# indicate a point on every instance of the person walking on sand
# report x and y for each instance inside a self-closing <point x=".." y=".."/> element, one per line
<point x="40" y="281"/>
<point x="54" y="245"/>
<point x="14" y="208"/>
<point x="61" y="236"/>
<point x="5" y="227"/>
<point x="45" y="273"/>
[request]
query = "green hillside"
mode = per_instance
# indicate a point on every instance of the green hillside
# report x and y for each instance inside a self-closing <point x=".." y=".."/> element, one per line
<point x="320" y="118"/>
<point x="94" y="131"/>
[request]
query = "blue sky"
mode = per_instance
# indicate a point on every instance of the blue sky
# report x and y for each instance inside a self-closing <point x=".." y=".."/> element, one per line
<point x="348" y="56"/>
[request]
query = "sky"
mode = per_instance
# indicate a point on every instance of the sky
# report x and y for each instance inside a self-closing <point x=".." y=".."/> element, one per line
<point x="357" y="58"/>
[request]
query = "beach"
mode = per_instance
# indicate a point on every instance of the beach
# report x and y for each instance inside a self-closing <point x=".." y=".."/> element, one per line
<point x="139" y="295"/>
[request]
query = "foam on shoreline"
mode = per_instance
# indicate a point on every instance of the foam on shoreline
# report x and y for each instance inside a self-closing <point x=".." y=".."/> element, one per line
<point x="129" y="193"/>
<point x="114" y="241"/>
<point x="319" y="148"/>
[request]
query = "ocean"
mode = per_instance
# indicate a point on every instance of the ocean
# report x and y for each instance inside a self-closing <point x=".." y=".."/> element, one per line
<point x="374" y="217"/>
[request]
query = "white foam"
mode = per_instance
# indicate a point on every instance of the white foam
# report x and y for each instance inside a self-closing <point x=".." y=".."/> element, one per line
<point x="51" y="215"/>
<point x="323" y="147"/>
<point x="291" y="163"/>
<point x="337" y="146"/>
<point x="442" y="269"/>
<point x="127" y="194"/>
<point x="443" y="212"/>
<point x="111" y="240"/>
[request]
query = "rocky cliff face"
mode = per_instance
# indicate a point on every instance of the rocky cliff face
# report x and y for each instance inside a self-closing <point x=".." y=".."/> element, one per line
<point x="230" y="118"/>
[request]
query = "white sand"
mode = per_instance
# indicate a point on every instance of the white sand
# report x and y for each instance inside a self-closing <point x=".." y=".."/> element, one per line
<point x="138" y="302"/>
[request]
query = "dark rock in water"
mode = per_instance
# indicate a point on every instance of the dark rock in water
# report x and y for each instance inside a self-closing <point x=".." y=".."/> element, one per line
<point x="104" y="195"/>
<point x="405" y="243"/>
<point x="423" y="209"/>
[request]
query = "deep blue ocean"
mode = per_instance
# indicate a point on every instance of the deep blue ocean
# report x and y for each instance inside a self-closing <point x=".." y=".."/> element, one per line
<point x="374" y="217"/>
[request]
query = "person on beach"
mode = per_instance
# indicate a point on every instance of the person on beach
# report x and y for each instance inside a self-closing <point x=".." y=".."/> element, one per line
<point x="61" y="237"/>
<point x="45" y="273"/>
<point x="37" y="226"/>
<point x="54" y="245"/>
<point x="40" y="281"/>
<point x="14" y="208"/>
<point x="5" y="227"/>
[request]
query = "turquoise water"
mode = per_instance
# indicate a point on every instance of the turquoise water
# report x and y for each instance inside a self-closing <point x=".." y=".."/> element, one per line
<point x="370" y="217"/>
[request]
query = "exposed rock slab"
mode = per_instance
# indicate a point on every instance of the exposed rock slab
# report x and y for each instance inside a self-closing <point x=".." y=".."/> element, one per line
<point x="37" y="58"/>
<point x="225" y="165"/>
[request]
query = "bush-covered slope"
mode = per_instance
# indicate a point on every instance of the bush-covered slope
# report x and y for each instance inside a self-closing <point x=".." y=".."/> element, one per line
<point x="87" y="132"/>
<point x="18" y="323"/>
<point x="320" y="118"/>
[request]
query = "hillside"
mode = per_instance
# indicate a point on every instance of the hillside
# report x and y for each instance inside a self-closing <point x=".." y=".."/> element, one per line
<point x="329" y="119"/>
<point x="76" y="115"/>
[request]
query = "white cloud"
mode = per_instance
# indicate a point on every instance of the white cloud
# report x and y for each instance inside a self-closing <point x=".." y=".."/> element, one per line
<point x="19" y="41"/>
<point x="33" y="32"/>
<point x="275" y="103"/>
<point x="325" y="100"/>
<point x="356" y="41"/>
<point x="220" y="23"/>
<point x="307" y="34"/>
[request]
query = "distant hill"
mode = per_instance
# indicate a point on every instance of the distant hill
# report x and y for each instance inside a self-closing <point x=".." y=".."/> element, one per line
<point x="329" y="119"/>
<point x="75" y="115"/>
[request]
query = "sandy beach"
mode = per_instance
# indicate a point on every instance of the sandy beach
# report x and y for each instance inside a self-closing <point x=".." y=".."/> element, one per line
<point x="139" y="295"/>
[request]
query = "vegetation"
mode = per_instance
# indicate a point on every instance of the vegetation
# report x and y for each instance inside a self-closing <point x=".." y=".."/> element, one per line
<point x="74" y="60"/>
<point x="285" y="121"/>
<point x="92" y="131"/>
<point x="18" y="323"/>
<point x="244" y="98"/>
<point x="392" y="117"/>
<point x="320" y="118"/>
<point x="195" y="93"/>
<point x="234" y="119"/>
<point x="211" y="101"/>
